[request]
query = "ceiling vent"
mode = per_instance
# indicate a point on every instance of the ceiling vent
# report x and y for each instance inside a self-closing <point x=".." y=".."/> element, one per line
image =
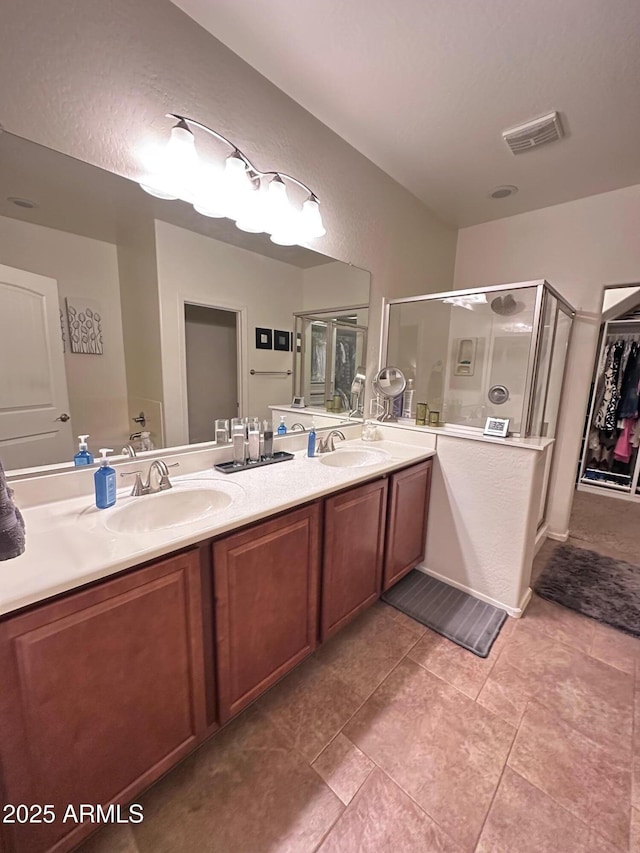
<point x="534" y="133"/>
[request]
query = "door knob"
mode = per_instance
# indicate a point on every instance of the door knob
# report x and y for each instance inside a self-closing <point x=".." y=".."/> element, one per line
<point x="64" y="417"/>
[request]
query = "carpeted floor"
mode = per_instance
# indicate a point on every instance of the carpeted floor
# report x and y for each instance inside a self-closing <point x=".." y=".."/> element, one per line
<point x="607" y="525"/>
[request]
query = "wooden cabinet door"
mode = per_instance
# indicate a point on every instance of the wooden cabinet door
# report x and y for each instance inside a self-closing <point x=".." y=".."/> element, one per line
<point x="266" y="612"/>
<point x="406" y="521"/>
<point x="354" y="525"/>
<point x="102" y="692"/>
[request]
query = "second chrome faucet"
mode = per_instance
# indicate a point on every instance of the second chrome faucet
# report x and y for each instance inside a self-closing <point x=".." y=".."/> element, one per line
<point x="157" y="478"/>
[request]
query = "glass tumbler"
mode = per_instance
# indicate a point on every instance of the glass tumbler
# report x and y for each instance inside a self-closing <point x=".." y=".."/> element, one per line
<point x="253" y="432"/>
<point x="268" y="440"/>
<point x="238" y="435"/>
<point x="222" y="431"/>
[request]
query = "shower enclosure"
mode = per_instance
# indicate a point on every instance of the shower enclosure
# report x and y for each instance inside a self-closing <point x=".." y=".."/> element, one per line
<point x="489" y="352"/>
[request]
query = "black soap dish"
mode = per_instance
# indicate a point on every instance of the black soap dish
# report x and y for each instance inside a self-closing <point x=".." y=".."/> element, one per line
<point x="232" y="468"/>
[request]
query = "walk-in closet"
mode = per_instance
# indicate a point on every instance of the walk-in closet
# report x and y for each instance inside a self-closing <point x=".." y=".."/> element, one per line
<point x="610" y="459"/>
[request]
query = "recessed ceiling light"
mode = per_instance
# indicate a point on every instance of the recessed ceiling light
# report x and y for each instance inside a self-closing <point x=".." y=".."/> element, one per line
<point x="22" y="202"/>
<point x="503" y="191"/>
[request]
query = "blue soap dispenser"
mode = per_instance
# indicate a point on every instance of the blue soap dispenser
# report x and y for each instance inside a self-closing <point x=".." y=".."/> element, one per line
<point x="83" y="457"/>
<point x="282" y="429"/>
<point x="105" y="480"/>
<point x="311" y="441"/>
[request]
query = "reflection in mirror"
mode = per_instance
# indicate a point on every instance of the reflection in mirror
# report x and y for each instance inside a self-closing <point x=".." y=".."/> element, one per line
<point x="330" y="345"/>
<point x="113" y="304"/>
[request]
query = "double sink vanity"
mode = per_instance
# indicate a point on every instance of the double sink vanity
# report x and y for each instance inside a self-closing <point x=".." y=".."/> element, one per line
<point x="130" y="635"/>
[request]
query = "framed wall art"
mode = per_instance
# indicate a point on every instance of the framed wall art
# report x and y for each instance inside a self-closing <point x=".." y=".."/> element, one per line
<point x="264" y="338"/>
<point x="281" y="340"/>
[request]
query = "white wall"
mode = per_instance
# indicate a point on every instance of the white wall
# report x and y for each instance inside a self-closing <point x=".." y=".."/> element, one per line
<point x="334" y="285"/>
<point x="483" y="517"/>
<point x="578" y="247"/>
<point x="101" y="76"/>
<point x="204" y="271"/>
<point x="82" y="267"/>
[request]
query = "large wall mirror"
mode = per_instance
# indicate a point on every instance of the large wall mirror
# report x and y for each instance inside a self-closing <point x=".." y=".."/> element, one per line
<point x="113" y="304"/>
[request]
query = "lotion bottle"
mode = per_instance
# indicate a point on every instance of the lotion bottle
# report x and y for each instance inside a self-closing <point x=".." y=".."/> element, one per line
<point x="83" y="457"/>
<point x="282" y="429"/>
<point x="105" y="480"/>
<point x="311" y="441"/>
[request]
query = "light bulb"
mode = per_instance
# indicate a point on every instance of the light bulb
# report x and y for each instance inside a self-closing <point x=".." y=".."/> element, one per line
<point x="158" y="192"/>
<point x="285" y="238"/>
<point x="235" y="186"/>
<point x="311" y="221"/>
<point x="174" y="170"/>
<point x="278" y="210"/>
<point x="210" y="198"/>
<point x="252" y="216"/>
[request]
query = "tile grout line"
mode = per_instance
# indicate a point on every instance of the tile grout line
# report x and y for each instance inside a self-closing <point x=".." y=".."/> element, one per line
<point x="375" y="765"/>
<point x="364" y="701"/>
<point x="418" y="805"/>
<point x="495" y="793"/>
<point x="595" y="743"/>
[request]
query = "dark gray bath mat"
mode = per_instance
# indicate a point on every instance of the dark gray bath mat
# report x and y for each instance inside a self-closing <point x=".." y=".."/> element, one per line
<point x="605" y="589"/>
<point x="461" y="618"/>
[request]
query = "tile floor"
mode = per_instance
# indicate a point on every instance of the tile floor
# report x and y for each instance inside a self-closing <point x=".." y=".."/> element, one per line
<point x="391" y="738"/>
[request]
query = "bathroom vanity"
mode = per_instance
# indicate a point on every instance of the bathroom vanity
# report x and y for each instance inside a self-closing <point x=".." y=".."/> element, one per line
<point x="107" y="687"/>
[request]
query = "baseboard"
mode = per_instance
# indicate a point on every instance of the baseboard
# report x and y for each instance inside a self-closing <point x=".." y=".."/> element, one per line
<point x="516" y="612"/>
<point x="541" y="536"/>
<point x="558" y="537"/>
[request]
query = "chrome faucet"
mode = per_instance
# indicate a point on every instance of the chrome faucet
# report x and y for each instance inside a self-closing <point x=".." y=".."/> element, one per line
<point x="297" y="426"/>
<point x="129" y="450"/>
<point x="327" y="445"/>
<point x="157" y="479"/>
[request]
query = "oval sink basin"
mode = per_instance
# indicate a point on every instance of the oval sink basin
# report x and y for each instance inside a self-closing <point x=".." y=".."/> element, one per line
<point x="167" y="509"/>
<point x="355" y="457"/>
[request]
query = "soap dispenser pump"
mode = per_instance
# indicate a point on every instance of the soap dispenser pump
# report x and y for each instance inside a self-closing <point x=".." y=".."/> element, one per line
<point x="105" y="480"/>
<point x="311" y="441"/>
<point x="83" y="457"/>
<point x="282" y="429"/>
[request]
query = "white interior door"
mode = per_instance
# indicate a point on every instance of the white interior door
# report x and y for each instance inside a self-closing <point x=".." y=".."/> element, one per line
<point x="35" y="428"/>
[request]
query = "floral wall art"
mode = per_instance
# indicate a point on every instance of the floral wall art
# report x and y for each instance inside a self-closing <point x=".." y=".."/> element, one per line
<point x="84" y="318"/>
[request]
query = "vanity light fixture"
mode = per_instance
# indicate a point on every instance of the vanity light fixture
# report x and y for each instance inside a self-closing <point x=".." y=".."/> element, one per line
<point x="257" y="201"/>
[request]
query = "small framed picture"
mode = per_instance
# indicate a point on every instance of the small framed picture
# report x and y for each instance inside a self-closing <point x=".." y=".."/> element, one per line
<point x="264" y="338"/>
<point x="281" y="340"/>
<point x="497" y="426"/>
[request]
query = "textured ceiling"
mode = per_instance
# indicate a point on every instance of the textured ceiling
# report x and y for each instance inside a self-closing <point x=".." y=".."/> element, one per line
<point x="424" y="88"/>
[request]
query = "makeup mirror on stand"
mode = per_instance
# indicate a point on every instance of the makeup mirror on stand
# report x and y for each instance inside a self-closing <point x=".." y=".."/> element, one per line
<point x="389" y="383"/>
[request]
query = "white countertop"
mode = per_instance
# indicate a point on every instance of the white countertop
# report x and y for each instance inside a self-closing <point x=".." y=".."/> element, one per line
<point x="69" y="544"/>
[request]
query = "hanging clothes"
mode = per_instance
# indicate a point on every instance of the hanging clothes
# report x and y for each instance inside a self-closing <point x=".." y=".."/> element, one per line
<point x="624" y="447"/>
<point x="628" y="407"/>
<point x="605" y="418"/>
